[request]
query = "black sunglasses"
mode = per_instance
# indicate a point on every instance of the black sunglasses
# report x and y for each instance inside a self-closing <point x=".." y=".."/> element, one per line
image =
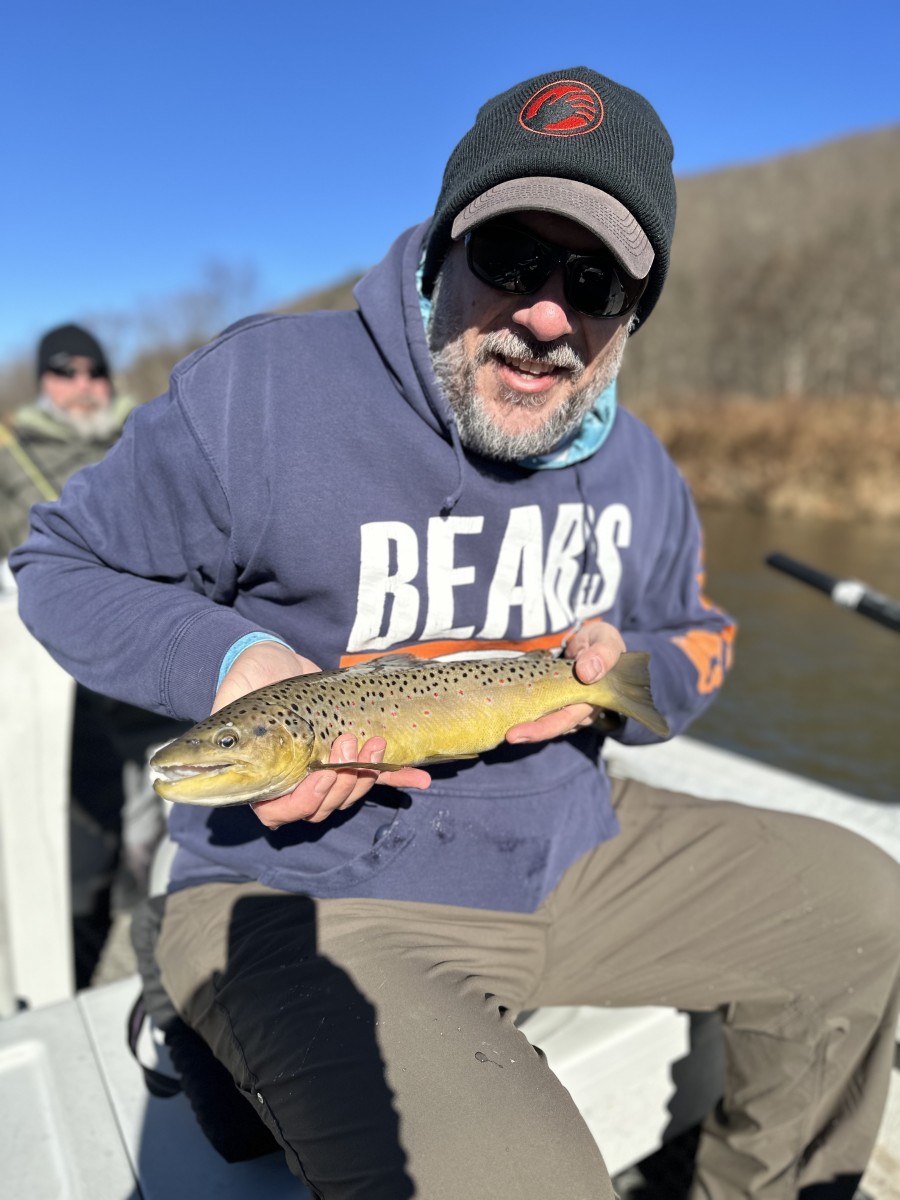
<point x="70" y="372"/>
<point x="513" y="260"/>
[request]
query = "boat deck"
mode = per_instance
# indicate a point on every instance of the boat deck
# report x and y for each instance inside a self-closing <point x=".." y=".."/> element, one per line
<point x="76" y="1120"/>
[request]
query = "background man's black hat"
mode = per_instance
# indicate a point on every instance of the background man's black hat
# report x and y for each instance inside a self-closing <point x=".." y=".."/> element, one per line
<point x="570" y="142"/>
<point x="68" y="341"/>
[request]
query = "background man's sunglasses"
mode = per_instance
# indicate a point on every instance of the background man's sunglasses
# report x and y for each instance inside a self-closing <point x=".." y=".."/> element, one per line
<point x="70" y="372"/>
<point x="512" y="260"/>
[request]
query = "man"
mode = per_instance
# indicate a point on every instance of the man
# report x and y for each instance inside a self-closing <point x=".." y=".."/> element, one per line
<point x="76" y="418"/>
<point x="446" y="471"/>
<point x="73" y="422"/>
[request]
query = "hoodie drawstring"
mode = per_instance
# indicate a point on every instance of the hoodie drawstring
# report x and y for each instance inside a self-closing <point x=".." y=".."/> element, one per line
<point x="451" y="501"/>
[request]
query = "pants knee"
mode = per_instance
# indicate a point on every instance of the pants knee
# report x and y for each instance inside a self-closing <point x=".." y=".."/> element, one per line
<point x="861" y="884"/>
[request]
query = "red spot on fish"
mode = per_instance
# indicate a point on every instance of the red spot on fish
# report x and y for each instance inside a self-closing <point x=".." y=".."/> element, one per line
<point x="426" y="712"/>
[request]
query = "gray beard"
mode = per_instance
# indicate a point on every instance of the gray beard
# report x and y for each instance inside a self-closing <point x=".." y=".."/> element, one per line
<point x="477" y="430"/>
<point x="97" y="424"/>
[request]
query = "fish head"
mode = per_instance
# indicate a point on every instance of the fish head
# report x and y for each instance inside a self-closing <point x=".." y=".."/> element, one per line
<point x="233" y="758"/>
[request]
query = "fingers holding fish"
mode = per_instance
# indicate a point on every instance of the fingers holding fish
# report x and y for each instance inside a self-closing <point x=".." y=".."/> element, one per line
<point x="596" y="648"/>
<point x="555" y="724"/>
<point x="326" y="791"/>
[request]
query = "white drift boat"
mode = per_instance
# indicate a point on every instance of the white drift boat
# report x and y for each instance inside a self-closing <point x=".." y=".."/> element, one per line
<point x="76" y="1118"/>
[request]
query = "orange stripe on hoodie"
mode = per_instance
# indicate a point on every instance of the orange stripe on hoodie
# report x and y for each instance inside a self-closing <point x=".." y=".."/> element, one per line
<point x="709" y="650"/>
<point x="436" y="649"/>
<point x="711" y="654"/>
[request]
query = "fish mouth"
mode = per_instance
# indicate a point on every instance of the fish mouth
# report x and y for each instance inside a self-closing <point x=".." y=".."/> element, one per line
<point x="178" y="771"/>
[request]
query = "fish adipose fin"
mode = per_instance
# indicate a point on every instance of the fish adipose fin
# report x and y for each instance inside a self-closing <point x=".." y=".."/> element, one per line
<point x="629" y="681"/>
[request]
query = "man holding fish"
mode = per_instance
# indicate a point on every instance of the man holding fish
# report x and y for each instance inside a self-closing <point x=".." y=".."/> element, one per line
<point x="434" y="513"/>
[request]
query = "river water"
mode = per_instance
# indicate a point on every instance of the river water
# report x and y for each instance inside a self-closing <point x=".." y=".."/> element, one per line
<point x="815" y="689"/>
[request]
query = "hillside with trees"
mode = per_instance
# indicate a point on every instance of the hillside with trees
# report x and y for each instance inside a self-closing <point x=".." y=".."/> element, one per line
<point x="785" y="280"/>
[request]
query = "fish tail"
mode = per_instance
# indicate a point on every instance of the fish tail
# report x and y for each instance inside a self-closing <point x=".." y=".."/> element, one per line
<point x="629" y="683"/>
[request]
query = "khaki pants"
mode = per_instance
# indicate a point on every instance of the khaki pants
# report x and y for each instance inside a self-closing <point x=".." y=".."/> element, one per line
<point x="377" y="1039"/>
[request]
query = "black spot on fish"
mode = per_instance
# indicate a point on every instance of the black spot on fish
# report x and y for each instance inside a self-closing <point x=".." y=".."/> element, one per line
<point x="259" y="730"/>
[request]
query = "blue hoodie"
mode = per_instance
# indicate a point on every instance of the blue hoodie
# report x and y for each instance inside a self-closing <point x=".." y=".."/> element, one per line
<point x="303" y="476"/>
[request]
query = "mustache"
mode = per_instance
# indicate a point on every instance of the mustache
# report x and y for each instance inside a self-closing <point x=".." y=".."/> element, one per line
<point x="508" y="344"/>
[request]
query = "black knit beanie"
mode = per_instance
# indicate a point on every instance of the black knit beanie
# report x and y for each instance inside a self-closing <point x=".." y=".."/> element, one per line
<point x="569" y="125"/>
<point x="65" y="342"/>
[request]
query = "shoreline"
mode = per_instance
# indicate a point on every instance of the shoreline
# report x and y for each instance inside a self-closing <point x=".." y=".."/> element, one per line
<point x="832" y="459"/>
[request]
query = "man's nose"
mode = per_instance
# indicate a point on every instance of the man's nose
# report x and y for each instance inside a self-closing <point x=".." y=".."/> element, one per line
<point x="546" y="314"/>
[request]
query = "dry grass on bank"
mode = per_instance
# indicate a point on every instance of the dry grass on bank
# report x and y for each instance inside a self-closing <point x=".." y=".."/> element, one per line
<point x="835" y="459"/>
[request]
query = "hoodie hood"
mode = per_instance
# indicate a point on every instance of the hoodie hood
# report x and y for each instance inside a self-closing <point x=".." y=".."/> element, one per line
<point x="403" y="345"/>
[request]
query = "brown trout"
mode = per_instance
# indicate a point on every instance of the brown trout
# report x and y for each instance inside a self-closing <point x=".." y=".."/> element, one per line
<point x="264" y="743"/>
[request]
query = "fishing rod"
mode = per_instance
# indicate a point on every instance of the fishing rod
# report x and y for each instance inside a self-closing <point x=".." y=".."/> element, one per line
<point x="848" y="593"/>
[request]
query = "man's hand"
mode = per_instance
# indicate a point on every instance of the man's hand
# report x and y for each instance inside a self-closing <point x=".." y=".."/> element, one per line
<point x="259" y="664"/>
<point x="595" y="648"/>
<point x="322" y="792"/>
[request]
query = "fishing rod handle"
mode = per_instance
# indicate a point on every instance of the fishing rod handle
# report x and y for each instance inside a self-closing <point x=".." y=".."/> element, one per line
<point x="848" y="593"/>
<point x="790" y="566"/>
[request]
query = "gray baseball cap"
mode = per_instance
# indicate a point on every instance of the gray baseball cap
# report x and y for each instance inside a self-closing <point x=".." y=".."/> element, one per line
<point x="596" y="210"/>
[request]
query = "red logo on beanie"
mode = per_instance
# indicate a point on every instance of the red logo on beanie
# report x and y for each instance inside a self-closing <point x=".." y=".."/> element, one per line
<point x="562" y="109"/>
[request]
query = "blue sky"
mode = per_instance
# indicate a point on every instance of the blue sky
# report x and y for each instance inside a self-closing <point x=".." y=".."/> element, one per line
<point x="291" y="141"/>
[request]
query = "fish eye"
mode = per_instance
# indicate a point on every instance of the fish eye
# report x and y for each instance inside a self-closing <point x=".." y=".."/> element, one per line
<point x="227" y="739"/>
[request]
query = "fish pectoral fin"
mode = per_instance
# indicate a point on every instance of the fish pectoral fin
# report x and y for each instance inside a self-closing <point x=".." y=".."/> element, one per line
<point x="357" y="766"/>
<point x="441" y="758"/>
<point x="383" y="766"/>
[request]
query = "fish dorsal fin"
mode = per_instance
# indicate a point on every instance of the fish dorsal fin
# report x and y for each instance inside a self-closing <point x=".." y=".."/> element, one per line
<point x="386" y="662"/>
<point x="536" y="656"/>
